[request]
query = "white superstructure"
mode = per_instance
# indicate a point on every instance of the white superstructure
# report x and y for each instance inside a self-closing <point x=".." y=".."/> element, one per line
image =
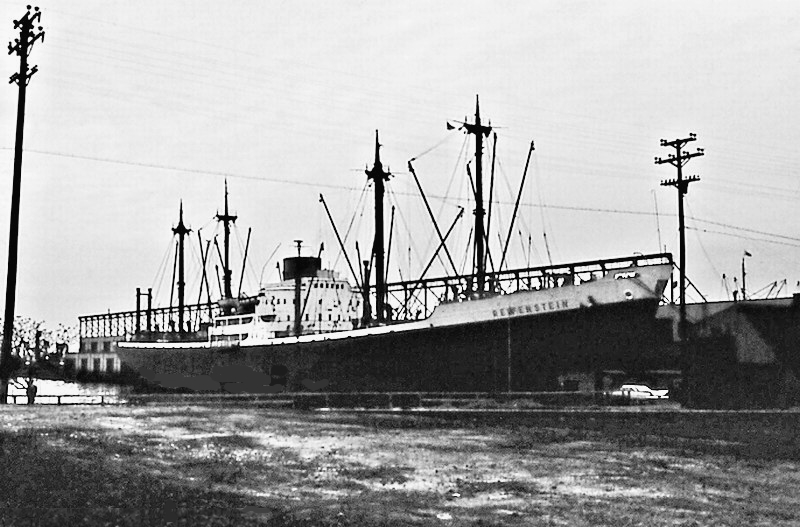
<point x="329" y="304"/>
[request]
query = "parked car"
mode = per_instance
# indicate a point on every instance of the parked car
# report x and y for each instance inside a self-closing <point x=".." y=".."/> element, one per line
<point x="638" y="392"/>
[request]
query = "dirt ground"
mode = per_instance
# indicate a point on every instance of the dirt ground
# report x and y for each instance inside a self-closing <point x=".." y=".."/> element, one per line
<point x="212" y="465"/>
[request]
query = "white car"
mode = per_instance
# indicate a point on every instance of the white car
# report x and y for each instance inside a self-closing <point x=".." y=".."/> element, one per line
<point x="638" y="392"/>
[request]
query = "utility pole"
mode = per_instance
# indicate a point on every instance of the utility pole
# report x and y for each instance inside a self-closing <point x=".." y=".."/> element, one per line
<point x="379" y="176"/>
<point x="181" y="230"/>
<point x="22" y="46"/>
<point x="678" y="159"/>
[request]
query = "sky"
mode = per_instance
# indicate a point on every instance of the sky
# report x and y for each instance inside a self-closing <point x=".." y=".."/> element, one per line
<point x="139" y="106"/>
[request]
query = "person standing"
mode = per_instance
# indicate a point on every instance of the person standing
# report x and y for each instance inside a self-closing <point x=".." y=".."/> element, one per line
<point x="30" y="391"/>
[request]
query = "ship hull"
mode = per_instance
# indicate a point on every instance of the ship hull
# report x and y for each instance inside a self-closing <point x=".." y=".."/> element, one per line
<point x="524" y="349"/>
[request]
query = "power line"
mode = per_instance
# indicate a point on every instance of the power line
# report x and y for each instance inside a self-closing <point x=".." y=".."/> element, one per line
<point x="189" y="170"/>
<point x="453" y="200"/>
<point x="710" y="231"/>
<point x="745" y="229"/>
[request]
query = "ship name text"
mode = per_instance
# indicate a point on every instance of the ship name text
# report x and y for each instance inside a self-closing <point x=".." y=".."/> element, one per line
<point x="525" y="309"/>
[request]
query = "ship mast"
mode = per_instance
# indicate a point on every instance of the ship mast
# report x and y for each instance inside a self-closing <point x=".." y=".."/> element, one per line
<point x="226" y="220"/>
<point x="379" y="176"/>
<point x="479" y="131"/>
<point x="181" y="230"/>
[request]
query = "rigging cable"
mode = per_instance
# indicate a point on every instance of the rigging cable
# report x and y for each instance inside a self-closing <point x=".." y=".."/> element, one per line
<point x="491" y="196"/>
<point x="430" y="213"/>
<point x="437" y="145"/>
<point x="158" y="280"/>
<point x="172" y="289"/>
<point x="453" y="174"/>
<point x="411" y="246"/>
<point x="658" y="222"/>
<point x="516" y="207"/>
<point x="699" y="241"/>
<point x="540" y="196"/>
<point x="357" y="210"/>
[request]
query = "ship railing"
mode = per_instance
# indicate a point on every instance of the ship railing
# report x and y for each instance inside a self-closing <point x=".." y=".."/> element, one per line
<point x="410" y="300"/>
<point x="416" y="299"/>
<point x="169" y="336"/>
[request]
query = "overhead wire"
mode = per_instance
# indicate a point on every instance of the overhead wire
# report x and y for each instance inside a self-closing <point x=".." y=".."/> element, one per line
<point x="745" y="237"/>
<point x="543" y="208"/>
<point x="265" y="179"/>
<point x="635" y="129"/>
<point x="702" y="246"/>
<point x="632" y="129"/>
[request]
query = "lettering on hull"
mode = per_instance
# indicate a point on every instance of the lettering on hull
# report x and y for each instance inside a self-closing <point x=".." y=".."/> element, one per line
<point x="530" y="309"/>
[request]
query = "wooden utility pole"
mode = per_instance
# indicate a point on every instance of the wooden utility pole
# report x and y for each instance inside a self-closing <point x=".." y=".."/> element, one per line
<point x="379" y="176"/>
<point x="678" y="159"/>
<point x="22" y="46"/>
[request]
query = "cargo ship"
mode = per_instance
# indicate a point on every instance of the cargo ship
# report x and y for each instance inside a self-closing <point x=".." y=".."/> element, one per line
<point x="479" y="336"/>
<point x="515" y="342"/>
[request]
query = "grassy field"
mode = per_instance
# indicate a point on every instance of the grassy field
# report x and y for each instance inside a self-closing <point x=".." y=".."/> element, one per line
<point x="213" y="465"/>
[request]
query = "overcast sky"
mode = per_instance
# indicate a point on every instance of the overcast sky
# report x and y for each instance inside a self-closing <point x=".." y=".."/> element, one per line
<point x="139" y="105"/>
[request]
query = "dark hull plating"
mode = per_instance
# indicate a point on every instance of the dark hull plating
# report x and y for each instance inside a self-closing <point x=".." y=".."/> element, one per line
<point x="518" y="354"/>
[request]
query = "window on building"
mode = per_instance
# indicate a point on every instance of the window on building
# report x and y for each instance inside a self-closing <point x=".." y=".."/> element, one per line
<point x="107" y="346"/>
<point x="84" y="364"/>
<point x="94" y="347"/>
<point x="110" y="365"/>
<point x="96" y="365"/>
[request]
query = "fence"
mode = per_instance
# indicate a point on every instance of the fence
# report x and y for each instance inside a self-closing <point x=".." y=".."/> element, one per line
<point x="72" y="399"/>
<point x="335" y="400"/>
<point x="339" y="400"/>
